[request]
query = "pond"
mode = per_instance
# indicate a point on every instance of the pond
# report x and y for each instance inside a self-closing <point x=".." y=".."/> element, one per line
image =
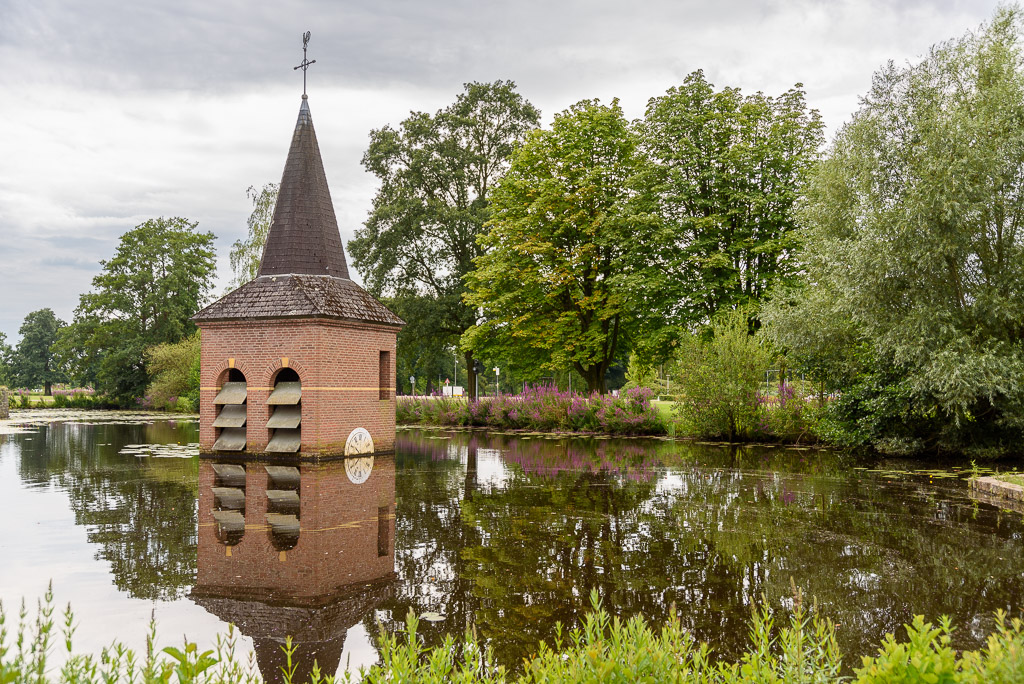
<point x="505" y="534"/>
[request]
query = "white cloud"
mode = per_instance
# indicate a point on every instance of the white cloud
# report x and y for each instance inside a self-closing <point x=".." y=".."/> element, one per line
<point x="113" y="112"/>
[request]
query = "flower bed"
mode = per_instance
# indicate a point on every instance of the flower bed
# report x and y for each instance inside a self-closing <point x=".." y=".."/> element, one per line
<point x="541" y="408"/>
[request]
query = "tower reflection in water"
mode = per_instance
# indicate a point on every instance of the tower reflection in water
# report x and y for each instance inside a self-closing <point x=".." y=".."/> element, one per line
<point x="303" y="550"/>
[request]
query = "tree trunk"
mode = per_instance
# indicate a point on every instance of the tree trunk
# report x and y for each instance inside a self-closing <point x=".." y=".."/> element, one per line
<point x="470" y="376"/>
<point x="470" y="483"/>
<point x="48" y="388"/>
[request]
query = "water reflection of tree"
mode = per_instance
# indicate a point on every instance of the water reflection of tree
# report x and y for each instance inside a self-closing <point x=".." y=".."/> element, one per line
<point x="711" y="534"/>
<point x="141" y="512"/>
<point x="436" y="478"/>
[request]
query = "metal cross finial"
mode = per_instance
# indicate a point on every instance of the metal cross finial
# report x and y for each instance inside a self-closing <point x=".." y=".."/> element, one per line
<point x="305" y="62"/>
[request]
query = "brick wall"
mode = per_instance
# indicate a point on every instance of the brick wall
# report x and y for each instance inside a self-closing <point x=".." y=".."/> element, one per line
<point x="338" y="538"/>
<point x="338" y="365"/>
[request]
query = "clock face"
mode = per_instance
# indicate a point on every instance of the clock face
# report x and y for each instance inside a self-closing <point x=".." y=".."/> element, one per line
<point x="358" y="469"/>
<point x="359" y="442"/>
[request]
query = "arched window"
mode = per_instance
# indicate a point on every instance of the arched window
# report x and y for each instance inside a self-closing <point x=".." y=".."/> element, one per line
<point x="231" y="412"/>
<point x="285" y="421"/>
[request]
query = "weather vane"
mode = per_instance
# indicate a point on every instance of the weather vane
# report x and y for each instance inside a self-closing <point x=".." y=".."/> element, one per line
<point x="305" y="62"/>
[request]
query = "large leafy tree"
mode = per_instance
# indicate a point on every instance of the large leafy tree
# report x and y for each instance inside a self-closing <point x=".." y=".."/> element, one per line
<point x="726" y="173"/>
<point x="246" y="254"/>
<point x="915" y="249"/>
<point x="144" y="296"/>
<point x="436" y="173"/>
<point x="559" y="246"/>
<point x="32" y="363"/>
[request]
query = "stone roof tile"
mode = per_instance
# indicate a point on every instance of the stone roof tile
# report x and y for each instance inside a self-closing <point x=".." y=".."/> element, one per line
<point x="299" y="296"/>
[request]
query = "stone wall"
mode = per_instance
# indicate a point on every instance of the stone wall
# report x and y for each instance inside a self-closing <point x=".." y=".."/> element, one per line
<point x="996" y="492"/>
<point x="5" y="405"/>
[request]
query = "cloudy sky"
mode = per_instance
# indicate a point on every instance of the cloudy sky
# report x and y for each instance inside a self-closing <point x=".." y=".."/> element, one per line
<point x="112" y="112"/>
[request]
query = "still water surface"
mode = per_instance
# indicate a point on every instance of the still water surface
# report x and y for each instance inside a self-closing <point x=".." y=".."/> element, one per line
<point x="503" y="533"/>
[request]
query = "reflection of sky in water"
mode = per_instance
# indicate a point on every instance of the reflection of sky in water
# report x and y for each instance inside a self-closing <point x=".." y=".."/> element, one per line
<point x="40" y="542"/>
<point x="509" y="534"/>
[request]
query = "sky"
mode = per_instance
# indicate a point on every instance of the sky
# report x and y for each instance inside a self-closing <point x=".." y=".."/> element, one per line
<point x="112" y="113"/>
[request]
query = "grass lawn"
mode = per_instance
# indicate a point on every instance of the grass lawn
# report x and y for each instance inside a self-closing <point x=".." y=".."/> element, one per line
<point x="1012" y="478"/>
<point x="664" y="408"/>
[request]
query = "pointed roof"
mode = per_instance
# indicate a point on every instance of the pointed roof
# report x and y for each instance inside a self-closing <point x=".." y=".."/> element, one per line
<point x="303" y="273"/>
<point x="304" y="236"/>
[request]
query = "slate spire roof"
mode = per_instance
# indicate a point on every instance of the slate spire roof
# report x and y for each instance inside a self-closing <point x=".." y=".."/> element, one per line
<point x="303" y="273"/>
<point x="304" y="235"/>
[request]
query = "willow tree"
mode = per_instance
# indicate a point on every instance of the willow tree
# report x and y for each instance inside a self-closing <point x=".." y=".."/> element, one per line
<point x="915" y="249"/>
<point x="549" y="284"/>
<point x="245" y="255"/>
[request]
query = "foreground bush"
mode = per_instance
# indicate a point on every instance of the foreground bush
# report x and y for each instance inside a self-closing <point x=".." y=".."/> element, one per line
<point x="602" y="649"/>
<point x="541" y="409"/>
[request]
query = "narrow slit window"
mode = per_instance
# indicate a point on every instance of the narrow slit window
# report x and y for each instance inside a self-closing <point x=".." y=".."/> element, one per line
<point x="383" y="531"/>
<point x="385" y="375"/>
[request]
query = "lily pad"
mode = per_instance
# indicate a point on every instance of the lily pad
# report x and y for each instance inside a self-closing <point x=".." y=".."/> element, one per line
<point x="431" y="616"/>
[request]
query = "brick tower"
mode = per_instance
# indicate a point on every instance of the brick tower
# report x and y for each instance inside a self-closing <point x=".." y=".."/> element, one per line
<point x="299" y="360"/>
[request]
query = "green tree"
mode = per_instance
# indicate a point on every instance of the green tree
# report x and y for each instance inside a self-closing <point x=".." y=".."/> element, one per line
<point x="726" y="174"/>
<point x="246" y="254"/>
<point x="436" y="176"/>
<point x="559" y="246"/>
<point x="144" y="296"/>
<point x="640" y="373"/>
<point x="33" y="363"/>
<point x="915" y="249"/>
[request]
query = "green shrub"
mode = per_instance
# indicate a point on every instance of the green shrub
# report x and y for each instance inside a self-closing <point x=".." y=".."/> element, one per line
<point x="174" y="372"/>
<point x="602" y="649"/>
<point x="80" y="401"/>
<point x="720" y="381"/>
<point x="789" y="416"/>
